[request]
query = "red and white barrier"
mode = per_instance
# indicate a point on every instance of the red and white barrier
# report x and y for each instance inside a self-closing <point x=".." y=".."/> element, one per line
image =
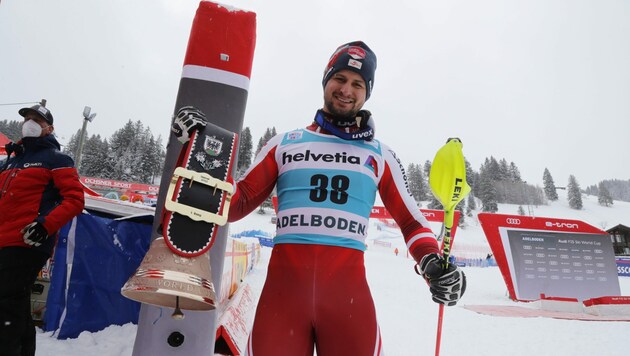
<point x="608" y="306"/>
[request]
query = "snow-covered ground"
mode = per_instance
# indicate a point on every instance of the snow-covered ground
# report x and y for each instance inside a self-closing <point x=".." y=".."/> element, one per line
<point x="408" y="317"/>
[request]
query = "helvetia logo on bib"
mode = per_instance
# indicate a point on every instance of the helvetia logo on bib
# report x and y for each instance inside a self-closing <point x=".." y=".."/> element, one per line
<point x="308" y="156"/>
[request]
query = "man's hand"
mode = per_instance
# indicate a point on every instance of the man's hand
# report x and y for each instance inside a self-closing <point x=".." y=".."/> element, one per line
<point x="34" y="234"/>
<point x="447" y="285"/>
<point x="187" y="119"/>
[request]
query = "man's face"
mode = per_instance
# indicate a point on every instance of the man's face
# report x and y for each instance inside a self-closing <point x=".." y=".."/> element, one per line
<point x="46" y="129"/>
<point x="344" y="93"/>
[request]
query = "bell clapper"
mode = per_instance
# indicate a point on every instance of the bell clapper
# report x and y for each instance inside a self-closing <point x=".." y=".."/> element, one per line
<point x="177" y="314"/>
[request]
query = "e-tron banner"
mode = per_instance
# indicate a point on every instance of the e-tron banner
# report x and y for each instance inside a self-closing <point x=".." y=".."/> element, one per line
<point x="555" y="257"/>
<point x="379" y="212"/>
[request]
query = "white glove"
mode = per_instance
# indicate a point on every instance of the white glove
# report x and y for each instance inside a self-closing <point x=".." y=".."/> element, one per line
<point x="187" y="119"/>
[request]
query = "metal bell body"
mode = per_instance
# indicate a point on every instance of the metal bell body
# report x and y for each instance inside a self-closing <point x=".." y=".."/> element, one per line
<point x="164" y="275"/>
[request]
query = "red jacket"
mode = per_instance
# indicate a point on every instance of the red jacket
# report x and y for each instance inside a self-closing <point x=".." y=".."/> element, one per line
<point x="38" y="184"/>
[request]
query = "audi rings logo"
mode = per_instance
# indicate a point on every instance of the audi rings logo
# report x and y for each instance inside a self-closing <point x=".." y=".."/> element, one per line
<point x="513" y="221"/>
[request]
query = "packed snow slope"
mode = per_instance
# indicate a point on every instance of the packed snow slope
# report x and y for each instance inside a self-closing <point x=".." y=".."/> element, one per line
<point x="408" y="317"/>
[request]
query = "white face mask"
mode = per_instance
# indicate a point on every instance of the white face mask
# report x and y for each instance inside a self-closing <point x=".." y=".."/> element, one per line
<point x="31" y="129"/>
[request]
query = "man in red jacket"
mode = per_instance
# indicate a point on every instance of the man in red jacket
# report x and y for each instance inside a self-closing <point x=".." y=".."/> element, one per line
<point x="39" y="193"/>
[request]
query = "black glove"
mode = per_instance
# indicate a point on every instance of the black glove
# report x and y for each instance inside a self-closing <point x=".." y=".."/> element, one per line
<point x="13" y="147"/>
<point x="447" y="285"/>
<point x="34" y="234"/>
<point x="187" y="119"/>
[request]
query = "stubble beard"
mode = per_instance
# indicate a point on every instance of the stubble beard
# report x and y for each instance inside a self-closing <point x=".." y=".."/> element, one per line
<point x="331" y="109"/>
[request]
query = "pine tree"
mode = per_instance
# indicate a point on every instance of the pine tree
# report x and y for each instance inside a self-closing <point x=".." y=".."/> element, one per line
<point x="573" y="193"/>
<point x="160" y="152"/>
<point x="549" y="186"/>
<point x="515" y="174"/>
<point x="132" y="154"/>
<point x="424" y="189"/>
<point x="471" y="204"/>
<point x="151" y="154"/>
<point x="415" y="178"/>
<point x="603" y="197"/>
<point x="434" y="203"/>
<point x="487" y="193"/>
<point x="3" y="127"/>
<point x="107" y="166"/>
<point x="619" y="189"/>
<point x="136" y="154"/>
<point x="71" y="147"/>
<point x="427" y="168"/>
<point x="244" y="152"/>
<point x="269" y="134"/>
<point x="461" y="206"/>
<point x="144" y="173"/>
<point x="591" y="190"/>
<point x="12" y="129"/>
<point x="122" y="151"/>
<point x="521" y="211"/>
<point x="470" y="174"/>
<point x="472" y="178"/>
<point x="504" y="170"/>
<point x="94" y="160"/>
<point x="492" y="169"/>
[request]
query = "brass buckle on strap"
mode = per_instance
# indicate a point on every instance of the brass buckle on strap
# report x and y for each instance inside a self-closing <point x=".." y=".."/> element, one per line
<point x="192" y="212"/>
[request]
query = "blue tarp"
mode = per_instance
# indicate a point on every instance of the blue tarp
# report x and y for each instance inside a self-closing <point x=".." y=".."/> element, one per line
<point x="253" y="233"/>
<point x="93" y="259"/>
<point x="265" y="238"/>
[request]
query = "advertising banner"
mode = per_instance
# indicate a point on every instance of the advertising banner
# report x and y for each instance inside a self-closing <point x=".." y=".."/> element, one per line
<point x="555" y="257"/>
<point x="623" y="267"/>
<point x="432" y="215"/>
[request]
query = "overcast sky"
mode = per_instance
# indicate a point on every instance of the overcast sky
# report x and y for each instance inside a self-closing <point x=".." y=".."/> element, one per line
<point x="541" y="83"/>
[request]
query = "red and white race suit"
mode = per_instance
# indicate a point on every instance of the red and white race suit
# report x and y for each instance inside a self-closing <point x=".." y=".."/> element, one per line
<point x="316" y="293"/>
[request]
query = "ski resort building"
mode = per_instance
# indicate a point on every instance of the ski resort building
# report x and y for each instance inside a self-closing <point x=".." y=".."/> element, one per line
<point x="620" y="237"/>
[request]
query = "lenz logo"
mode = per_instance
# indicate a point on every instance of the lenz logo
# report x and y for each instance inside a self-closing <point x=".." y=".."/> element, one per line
<point x="513" y="221"/>
<point x="561" y="225"/>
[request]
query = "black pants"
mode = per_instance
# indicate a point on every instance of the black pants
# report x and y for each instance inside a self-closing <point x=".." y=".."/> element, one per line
<point x="18" y="270"/>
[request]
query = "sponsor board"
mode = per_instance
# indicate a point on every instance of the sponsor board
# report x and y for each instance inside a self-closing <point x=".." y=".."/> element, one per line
<point x="623" y="267"/>
<point x="559" y="257"/>
<point x="101" y="183"/>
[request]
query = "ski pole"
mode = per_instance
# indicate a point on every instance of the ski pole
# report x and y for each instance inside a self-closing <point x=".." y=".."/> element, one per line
<point x="447" y="179"/>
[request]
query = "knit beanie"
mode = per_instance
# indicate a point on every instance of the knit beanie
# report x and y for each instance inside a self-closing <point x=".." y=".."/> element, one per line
<point x="355" y="56"/>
